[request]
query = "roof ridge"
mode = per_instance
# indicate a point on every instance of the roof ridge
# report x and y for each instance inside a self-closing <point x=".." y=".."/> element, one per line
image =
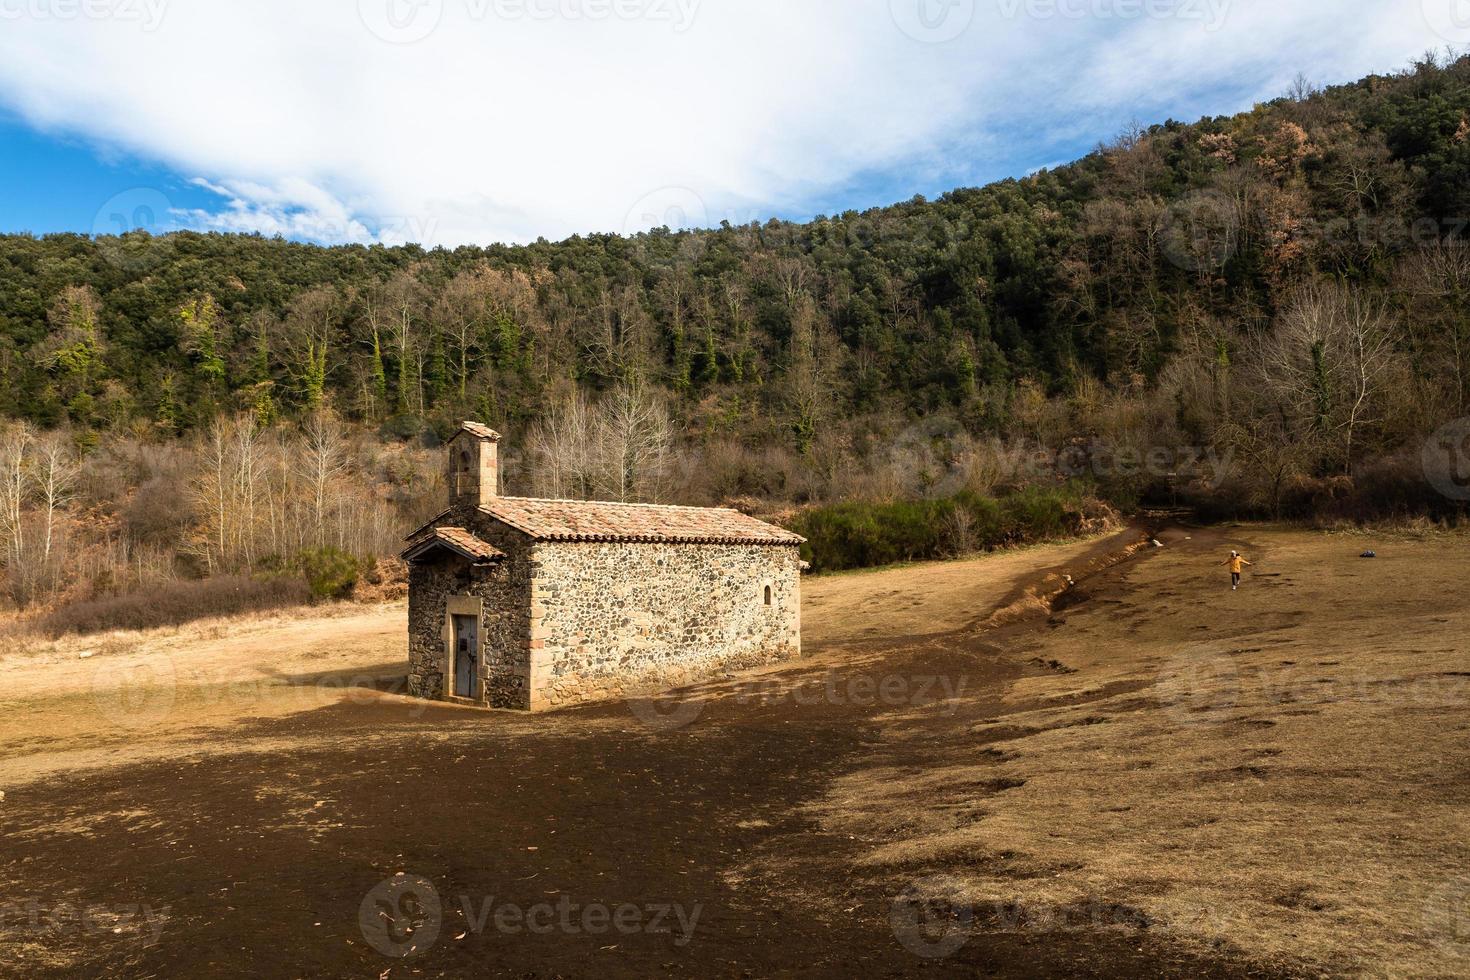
<point x="457" y="539"/>
<point x="614" y="503"/>
<point x="610" y="520"/>
<point x="479" y="430"/>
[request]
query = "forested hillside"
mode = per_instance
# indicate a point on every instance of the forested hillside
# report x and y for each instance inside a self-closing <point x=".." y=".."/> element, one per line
<point x="1284" y="291"/>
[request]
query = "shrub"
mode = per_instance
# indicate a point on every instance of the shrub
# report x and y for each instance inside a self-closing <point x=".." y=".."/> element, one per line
<point x="1035" y="514"/>
<point x="864" y="534"/>
<point x="173" y="603"/>
<point x="158" y="512"/>
<point x="331" y="573"/>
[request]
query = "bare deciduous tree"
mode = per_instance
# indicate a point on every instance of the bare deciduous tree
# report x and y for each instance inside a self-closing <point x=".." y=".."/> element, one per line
<point x="15" y="447"/>
<point x="621" y="448"/>
<point x="54" y="475"/>
<point x="635" y="438"/>
<point x="561" y="452"/>
<point x="322" y="462"/>
<point x="1438" y="280"/>
<point x="1327" y="362"/>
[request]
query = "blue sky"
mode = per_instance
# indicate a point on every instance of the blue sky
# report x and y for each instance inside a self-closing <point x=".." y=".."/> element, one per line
<point x="57" y="182"/>
<point x="453" y="121"/>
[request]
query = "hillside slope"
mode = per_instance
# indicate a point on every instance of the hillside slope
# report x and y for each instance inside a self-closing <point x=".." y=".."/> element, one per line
<point x="1102" y="269"/>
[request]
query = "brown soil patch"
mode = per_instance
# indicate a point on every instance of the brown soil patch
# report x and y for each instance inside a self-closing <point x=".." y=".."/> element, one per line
<point x="1128" y="783"/>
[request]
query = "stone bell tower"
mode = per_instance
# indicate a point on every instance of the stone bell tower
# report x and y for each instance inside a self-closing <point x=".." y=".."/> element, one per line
<point x="474" y="466"/>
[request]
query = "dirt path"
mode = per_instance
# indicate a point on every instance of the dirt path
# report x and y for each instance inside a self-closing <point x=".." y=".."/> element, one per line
<point x="106" y="701"/>
<point x="915" y="801"/>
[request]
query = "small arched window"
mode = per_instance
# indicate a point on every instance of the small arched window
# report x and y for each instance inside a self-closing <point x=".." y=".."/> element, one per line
<point x="768" y="595"/>
<point x="462" y="475"/>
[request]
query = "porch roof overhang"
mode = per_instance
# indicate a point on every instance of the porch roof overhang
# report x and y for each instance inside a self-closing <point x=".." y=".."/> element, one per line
<point x="456" y="540"/>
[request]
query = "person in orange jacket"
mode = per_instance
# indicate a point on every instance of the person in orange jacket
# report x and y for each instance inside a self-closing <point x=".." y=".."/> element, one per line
<point x="1236" y="563"/>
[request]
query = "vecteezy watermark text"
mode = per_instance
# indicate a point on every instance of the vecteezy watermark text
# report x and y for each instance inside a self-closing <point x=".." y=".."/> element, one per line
<point x="831" y="687"/>
<point x="1102" y="460"/>
<point x="1210" y="13"/>
<point x="679" y="13"/>
<point x="862" y="690"/>
<point x="1208" y="684"/>
<point x="409" y="21"/>
<point x="1203" y="230"/>
<point x="148" y="13"/>
<point x="142" y="695"/>
<point x="404" y="915"/>
<point x="33" y="918"/>
<point x="568" y="917"/>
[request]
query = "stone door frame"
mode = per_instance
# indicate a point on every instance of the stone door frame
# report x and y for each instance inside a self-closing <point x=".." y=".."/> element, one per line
<point x="473" y="606"/>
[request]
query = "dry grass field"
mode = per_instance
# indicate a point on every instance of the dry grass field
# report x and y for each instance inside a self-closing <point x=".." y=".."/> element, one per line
<point x="977" y="770"/>
<point x="1282" y="772"/>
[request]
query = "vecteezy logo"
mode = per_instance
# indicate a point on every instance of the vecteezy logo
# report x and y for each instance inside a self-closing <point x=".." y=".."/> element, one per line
<point x="667" y="713"/>
<point x="1200" y="231"/>
<point x="932" y="21"/>
<point x="400" y="21"/>
<point x="1446" y="919"/>
<point x="137" y="209"/>
<point x="1450" y="19"/>
<point x="401" y="916"/>
<point x="135" y="696"/>
<point x="930" y="920"/>
<point x="1196" y="683"/>
<point x="1447" y="460"/>
<point x="674" y="208"/>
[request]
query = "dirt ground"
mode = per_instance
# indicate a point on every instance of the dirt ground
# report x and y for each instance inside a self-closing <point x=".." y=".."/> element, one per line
<point x="977" y="770"/>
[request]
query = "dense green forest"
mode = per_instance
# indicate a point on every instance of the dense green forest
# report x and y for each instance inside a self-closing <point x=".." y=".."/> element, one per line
<point x="1091" y="270"/>
<point x="1286" y="288"/>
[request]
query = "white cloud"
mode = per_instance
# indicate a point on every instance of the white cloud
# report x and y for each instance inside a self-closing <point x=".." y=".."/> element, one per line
<point x="291" y="207"/>
<point x="510" y="119"/>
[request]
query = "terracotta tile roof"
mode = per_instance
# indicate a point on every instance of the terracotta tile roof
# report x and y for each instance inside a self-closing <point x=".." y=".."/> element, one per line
<point x="590" y="520"/>
<point x="458" y="540"/>
<point x="482" y="431"/>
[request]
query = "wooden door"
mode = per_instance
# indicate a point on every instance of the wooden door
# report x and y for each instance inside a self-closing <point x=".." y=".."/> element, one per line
<point x="466" y="656"/>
